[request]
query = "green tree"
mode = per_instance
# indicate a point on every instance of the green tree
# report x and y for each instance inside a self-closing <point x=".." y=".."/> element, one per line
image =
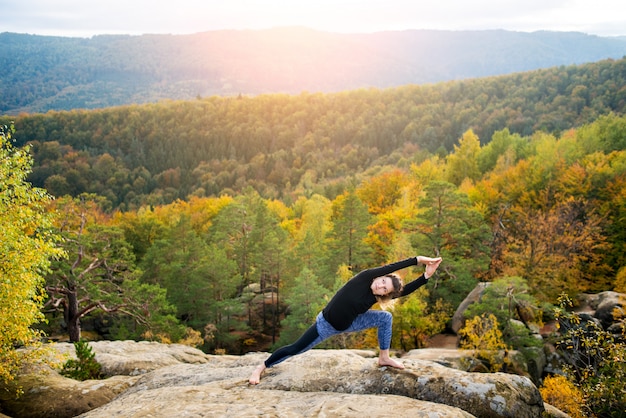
<point x="85" y="367"/>
<point x="448" y="226"/>
<point x="311" y="216"/>
<point x="268" y="244"/>
<point x="346" y="243"/>
<point x="99" y="274"/>
<point x="200" y="280"/>
<point x="231" y="229"/>
<point x="26" y="249"/>
<point x="177" y="263"/>
<point x="224" y="309"/>
<point x="305" y="300"/>
<point x="504" y="149"/>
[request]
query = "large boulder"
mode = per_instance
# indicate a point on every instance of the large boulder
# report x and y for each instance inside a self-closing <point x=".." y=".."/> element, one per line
<point x="48" y="394"/>
<point x="610" y="307"/>
<point x="217" y="400"/>
<point x="458" y="319"/>
<point x="481" y="394"/>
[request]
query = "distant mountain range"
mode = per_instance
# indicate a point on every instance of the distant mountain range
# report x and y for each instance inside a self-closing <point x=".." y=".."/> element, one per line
<point x="41" y="73"/>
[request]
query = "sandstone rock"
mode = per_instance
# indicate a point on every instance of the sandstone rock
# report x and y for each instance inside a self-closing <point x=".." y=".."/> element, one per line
<point x="211" y="400"/>
<point x="449" y="357"/>
<point x="458" y="319"/>
<point x="617" y="329"/>
<point x="130" y="358"/>
<point x="552" y="412"/>
<point x="536" y="360"/>
<point x="183" y="381"/>
<point x="483" y="395"/>
<point x="465" y="360"/>
<point x="48" y="394"/>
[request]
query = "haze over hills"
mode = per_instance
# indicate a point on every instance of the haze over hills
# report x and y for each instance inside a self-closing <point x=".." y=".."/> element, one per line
<point x="42" y="73"/>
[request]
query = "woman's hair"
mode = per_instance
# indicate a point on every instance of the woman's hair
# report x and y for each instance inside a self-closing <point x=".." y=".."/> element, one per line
<point x="386" y="301"/>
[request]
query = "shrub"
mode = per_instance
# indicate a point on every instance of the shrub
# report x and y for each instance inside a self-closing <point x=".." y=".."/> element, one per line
<point x="482" y="335"/>
<point x="596" y="362"/>
<point x="85" y="367"/>
<point x="509" y="299"/>
<point x="563" y="394"/>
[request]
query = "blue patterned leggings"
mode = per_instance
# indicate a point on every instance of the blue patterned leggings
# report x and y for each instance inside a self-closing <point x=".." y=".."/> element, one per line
<point x="322" y="330"/>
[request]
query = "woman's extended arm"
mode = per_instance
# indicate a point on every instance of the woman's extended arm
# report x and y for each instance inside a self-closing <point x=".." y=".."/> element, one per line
<point x="431" y="267"/>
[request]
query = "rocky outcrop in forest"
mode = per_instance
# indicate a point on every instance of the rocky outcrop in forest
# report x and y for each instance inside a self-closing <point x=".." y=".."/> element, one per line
<point x="152" y="379"/>
<point x="163" y="380"/>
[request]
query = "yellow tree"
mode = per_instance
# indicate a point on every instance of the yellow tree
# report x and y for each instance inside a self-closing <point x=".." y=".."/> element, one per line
<point x="482" y="335"/>
<point x="26" y="247"/>
<point x="550" y="248"/>
<point x="387" y="198"/>
<point x="463" y="162"/>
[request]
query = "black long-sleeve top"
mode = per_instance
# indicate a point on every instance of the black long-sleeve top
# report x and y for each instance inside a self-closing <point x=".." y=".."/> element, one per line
<point x="356" y="297"/>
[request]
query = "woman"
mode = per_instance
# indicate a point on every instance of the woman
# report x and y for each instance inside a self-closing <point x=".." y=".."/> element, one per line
<point x="349" y="311"/>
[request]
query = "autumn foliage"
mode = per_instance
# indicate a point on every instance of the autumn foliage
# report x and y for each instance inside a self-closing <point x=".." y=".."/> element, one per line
<point x="564" y="395"/>
<point x="26" y="249"/>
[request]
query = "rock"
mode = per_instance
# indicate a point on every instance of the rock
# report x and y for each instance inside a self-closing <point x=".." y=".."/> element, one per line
<point x="449" y="357"/>
<point x="48" y="394"/>
<point x="130" y="358"/>
<point x="552" y="412"/>
<point x="458" y="319"/>
<point x="536" y="360"/>
<point x="326" y="382"/>
<point x="617" y="330"/>
<point x="216" y="401"/>
<point x="466" y="360"/>
<point x="483" y="395"/>
<point x="183" y="381"/>
<point x="611" y="306"/>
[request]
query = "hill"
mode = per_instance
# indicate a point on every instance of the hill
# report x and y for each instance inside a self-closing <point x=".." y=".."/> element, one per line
<point x="280" y="143"/>
<point x="42" y="73"/>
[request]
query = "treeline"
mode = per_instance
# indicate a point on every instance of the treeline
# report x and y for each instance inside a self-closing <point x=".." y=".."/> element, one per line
<point x="286" y="146"/>
<point x="42" y="73"/>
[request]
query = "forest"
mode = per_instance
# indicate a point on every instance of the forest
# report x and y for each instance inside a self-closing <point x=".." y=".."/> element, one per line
<point x="284" y="146"/>
<point x="42" y="73"/>
<point x="227" y="223"/>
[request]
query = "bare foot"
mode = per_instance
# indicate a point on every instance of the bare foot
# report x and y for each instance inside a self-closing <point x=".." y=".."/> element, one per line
<point x="255" y="377"/>
<point x="388" y="361"/>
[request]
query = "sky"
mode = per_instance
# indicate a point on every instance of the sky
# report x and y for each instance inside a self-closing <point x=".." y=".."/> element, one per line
<point x="86" y="18"/>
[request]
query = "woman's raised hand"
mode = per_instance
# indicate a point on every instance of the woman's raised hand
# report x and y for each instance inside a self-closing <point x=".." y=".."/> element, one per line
<point x="427" y="260"/>
<point x="432" y="264"/>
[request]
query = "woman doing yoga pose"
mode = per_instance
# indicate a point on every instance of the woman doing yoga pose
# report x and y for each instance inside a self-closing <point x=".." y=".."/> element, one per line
<point x="349" y="311"/>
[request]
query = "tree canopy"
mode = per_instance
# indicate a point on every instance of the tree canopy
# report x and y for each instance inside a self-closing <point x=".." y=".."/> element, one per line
<point x="287" y="145"/>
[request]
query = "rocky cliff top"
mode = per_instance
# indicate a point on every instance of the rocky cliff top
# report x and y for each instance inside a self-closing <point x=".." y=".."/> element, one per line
<point x="160" y="380"/>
